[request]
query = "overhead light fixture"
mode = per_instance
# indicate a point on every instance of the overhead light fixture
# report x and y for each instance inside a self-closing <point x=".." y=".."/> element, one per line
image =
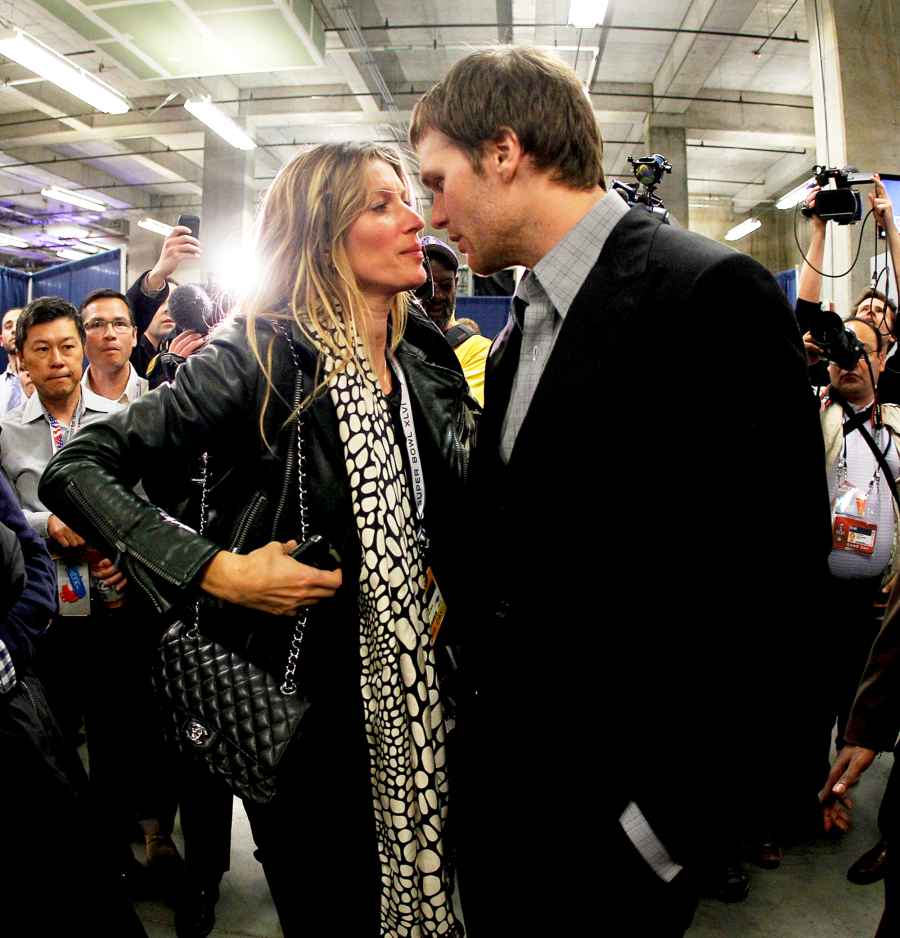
<point x="157" y="227"/>
<point x="219" y="122"/>
<point x="41" y="59"/>
<point x="747" y="226"/>
<point x="86" y="247"/>
<point x="12" y="241"/>
<point x="586" y="14"/>
<point x="68" y="231"/>
<point x="73" y="198"/>
<point x="797" y="195"/>
<point x="71" y="255"/>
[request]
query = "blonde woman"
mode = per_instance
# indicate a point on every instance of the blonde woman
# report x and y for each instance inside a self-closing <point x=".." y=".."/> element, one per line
<point x="354" y="846"/>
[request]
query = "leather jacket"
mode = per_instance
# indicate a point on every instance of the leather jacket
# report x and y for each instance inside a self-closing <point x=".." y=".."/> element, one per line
<point x="214" y="407"/>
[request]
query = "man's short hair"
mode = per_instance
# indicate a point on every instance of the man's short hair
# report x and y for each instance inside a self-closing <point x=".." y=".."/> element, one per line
<point x="106" y="294"/>
<point x="527" y="91"/>
<point x="46" y="309"/>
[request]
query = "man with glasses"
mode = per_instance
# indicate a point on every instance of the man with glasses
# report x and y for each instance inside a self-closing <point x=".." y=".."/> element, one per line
<point x="110" y="337"/>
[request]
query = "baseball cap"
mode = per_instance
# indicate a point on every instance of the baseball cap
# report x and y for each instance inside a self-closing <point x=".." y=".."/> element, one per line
<point x="440" y="251"/>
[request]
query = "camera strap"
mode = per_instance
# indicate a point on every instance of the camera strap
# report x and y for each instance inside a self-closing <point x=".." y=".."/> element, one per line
<point x="858" y="422"/>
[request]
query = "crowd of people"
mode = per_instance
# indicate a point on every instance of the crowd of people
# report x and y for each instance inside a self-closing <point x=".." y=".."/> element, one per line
<point x="496" y="698"/>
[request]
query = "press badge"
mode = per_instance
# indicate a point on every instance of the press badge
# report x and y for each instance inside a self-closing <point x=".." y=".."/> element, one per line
<point x="72" y="581"/>
<point x="852" y="528"/>
<point x="435" y="607"/>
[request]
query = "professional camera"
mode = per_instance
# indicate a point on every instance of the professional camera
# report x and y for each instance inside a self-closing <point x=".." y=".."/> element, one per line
<point x="648" y="170"/>
<point x="838" y="343"/>
<point x="840" y="204"/>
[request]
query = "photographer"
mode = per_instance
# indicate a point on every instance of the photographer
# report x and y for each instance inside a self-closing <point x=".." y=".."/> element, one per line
<point x="866" y="546"/>
<point x="149" y="293"/>
<point x="873" y="306"/>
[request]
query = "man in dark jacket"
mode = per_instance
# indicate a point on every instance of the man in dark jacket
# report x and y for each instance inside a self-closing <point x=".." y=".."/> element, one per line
<point x="43" y="788"/>
<point x="641" y="592"/>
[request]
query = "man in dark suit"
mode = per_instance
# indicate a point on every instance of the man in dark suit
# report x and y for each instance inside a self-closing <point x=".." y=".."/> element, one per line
<point x="648" y="551"/>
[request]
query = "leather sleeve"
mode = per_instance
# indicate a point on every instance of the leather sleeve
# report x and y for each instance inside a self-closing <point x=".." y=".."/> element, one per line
<point x="214" y="401"/>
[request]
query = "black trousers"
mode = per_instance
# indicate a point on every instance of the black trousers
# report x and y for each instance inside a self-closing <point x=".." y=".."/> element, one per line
<point x="46" y="808"/>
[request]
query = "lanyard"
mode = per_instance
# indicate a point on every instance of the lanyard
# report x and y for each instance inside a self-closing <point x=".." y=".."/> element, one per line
<point x="60" y="434"/>
<point x="887" y="446"/>
<point x="412" y="444"/>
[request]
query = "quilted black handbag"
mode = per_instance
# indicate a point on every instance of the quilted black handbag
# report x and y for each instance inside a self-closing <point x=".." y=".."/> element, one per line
<point x="222" y="709"/>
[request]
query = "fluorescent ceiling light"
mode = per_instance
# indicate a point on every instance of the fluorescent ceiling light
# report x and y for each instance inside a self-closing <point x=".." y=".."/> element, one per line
<point x="747" y="226"/>
<point x="586" y="14"/>
<point x="219" y="122"/>
<point x="797" y="195"/>
<point x="73" y="198"/>
<point x="12" y="241"/>
<point x="86" y="247"/>
<point x="157" y="227"/>
<point x="71" y="255"/>
<point x="68" y="231"/>
<point x="41" y="59"/>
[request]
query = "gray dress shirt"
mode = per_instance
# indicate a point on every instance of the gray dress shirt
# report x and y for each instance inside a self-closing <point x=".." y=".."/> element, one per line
<point x="549" y="290"/>
<point x="26" y="447"/>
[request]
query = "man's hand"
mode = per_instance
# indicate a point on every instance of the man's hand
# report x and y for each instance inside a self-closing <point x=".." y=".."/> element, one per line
<point x="111" y="575"/>
<point x="186" y="343"/>
<point x="881" y="205"/>
<point x="816" y="223"/>
<point x="63" y="534"/>
<point x="849" y="765"/>
<point x="268" y="580"/>
<point x="179" y="246"/>
<point x="813" y="351"/>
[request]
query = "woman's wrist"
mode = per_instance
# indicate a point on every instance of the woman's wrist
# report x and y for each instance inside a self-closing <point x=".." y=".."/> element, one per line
<point x="221" y="575"/>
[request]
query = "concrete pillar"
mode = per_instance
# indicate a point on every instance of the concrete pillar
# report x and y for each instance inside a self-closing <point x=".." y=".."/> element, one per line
<point x="855" y="61"/>
<point x="671" y="142"/>
<point x="226" y="214"/>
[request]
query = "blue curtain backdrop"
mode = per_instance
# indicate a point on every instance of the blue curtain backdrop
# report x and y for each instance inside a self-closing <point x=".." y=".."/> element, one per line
<point x="490" y="312"/>
<point x="74" y="280"/>
<point x="787" y="280"/>
<point x="13" y="293"/>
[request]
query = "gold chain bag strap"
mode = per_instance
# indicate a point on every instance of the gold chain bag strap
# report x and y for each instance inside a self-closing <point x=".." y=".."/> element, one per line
<point x="219" y="707"/>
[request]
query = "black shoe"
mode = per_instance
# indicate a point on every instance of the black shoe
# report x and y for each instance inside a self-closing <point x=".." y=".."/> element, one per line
<point x="134" y="879"/>
<point x="196" y="913"/>
<point x="871" y="866"/>
<point x="734" y="884"/>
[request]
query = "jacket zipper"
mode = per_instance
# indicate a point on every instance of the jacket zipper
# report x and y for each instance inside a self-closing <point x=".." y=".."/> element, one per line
<point x="245" y="525"/>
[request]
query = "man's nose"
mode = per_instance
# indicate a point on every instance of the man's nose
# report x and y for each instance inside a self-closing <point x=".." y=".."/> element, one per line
<point x="56" y="358"/>
<point x="438" y="215"/>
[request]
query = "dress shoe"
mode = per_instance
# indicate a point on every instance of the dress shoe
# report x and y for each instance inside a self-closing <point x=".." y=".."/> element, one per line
<point x="134" y="878"/>
<point x="164" y="866"/>
<point x="734" y="884"/>
<point x="871" y="866"/>
<point x="767" y="855"/>
<point x="196" y="912"/>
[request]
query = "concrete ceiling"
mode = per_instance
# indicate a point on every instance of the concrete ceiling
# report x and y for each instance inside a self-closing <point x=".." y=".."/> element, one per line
<point x="303" y="71"/>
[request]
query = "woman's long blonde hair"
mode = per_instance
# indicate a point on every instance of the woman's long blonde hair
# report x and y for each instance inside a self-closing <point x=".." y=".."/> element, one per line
<point x="300" y="249"/>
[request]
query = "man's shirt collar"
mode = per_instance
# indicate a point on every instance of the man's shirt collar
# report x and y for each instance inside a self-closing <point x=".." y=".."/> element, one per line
<point x="562" y="271"/>
<point x="90" y="402"/>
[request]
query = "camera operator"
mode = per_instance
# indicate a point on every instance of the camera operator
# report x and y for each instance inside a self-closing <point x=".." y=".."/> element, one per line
<point x="147" y="295"/>
<point x="866" y="537"/>
<point x="873" y="306"/>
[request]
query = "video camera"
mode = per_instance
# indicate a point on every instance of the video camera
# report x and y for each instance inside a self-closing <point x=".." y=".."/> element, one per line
<point x="838" y="343"/>
<point x="648" y="170"/>
<point x="842" y="203"/>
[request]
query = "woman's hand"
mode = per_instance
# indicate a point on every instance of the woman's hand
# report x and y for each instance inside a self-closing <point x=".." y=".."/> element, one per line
<point x="268" y="580"/>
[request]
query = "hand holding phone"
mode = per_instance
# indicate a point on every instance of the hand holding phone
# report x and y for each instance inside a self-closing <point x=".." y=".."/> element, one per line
<point x="317" y="552"/>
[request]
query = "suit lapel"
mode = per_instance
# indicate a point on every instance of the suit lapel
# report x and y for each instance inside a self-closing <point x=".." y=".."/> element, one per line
<point x="592" y="335"/>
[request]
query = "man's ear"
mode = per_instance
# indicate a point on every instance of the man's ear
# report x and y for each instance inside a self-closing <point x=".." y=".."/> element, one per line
<point x="504" y="154"/>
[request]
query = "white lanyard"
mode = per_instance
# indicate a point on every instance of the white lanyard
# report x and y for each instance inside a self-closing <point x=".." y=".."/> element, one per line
<point x="412" y="444"/>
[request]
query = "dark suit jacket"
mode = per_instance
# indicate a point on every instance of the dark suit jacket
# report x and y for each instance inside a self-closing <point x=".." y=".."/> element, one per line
<point x="641" y="626"/>
<point x="875" y="718"/>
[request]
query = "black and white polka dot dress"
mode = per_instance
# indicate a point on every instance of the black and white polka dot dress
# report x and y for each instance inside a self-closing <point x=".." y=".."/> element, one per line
<point x="402" y="710"/>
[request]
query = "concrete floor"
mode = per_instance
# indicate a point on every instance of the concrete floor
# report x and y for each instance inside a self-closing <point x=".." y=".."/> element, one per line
<point x="807" y="897"/>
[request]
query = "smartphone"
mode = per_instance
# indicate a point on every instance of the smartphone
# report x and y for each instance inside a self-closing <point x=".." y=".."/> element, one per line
<point x="192" y="222"/>
<point x="317" y="552"/>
